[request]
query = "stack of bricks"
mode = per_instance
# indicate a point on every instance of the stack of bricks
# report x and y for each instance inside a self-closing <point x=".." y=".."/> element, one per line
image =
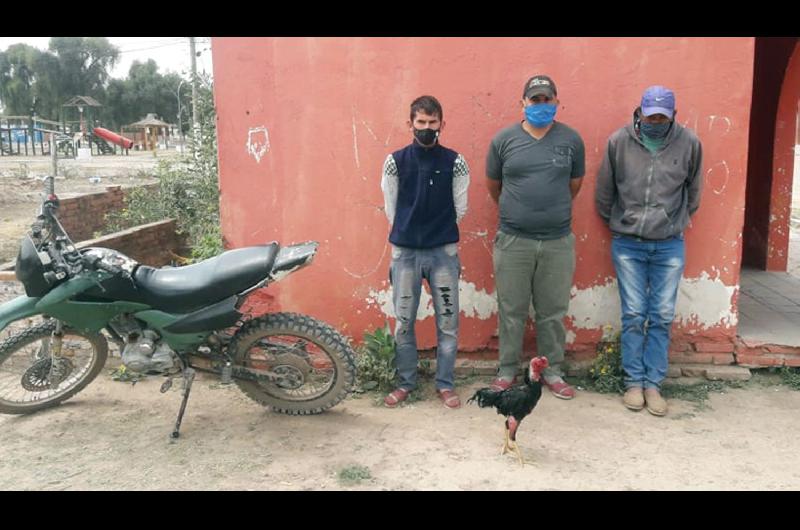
<point x="761" y="355"/>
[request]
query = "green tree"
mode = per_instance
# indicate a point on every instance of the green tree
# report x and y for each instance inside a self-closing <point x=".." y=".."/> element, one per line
<point x="145" y="90"/>
<point x="84" y="64"/>
<point x="188" y="188"/>
<point x="17" y="77"/>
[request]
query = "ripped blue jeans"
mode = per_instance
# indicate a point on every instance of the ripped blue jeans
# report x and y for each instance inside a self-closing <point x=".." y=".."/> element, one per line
<point x="649" y="273"/>
<point x="441" y="267"/>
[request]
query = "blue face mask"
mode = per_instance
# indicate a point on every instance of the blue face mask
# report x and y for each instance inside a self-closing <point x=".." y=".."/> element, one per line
<point x="655" y="131"/>
<point x="541" y="115"/>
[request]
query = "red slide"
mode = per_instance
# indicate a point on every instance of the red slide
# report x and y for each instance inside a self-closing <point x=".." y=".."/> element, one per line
<point x="113" y="137"/>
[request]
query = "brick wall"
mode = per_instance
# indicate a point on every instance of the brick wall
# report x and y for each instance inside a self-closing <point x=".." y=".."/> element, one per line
<point x="153" y="244"/>
<point x="85" y="215"/>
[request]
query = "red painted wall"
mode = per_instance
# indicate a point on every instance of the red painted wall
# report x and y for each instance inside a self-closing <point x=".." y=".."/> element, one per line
<point x="783" y="165"/>
<point x="771" y="57"/>
<point x="330" y="109"/>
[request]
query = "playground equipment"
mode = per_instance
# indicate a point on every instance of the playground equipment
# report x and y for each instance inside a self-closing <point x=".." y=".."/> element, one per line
<point x="114" y="138"/>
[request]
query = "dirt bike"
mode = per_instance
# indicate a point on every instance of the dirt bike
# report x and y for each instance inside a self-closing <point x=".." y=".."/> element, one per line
<point x="167" y="321"/>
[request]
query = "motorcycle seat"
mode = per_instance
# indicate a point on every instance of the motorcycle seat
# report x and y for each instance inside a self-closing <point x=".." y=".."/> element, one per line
<point x="185" y="289"/>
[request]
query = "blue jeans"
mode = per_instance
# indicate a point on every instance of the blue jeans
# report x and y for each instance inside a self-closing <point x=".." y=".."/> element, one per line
<point x="441" y="267"/>
<point x="649" y="273"/>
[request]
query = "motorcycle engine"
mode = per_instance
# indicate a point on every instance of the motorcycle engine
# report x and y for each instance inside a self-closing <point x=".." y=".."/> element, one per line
<point x="144" y="351"/>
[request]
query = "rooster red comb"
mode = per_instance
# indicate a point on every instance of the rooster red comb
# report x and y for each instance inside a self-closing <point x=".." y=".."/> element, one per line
<point x="538" y="364"/>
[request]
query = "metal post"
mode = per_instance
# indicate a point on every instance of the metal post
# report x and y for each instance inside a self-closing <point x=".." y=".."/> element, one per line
<point x="195" y="122"/>
<point x="53" y="157"/>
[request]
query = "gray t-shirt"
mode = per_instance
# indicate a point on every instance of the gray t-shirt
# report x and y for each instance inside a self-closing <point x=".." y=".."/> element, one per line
<point x="535" y="201"/>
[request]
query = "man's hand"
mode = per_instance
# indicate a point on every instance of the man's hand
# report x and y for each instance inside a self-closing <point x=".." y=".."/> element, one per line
<point x="575" y="186"/>
<point x="494" y="187"/>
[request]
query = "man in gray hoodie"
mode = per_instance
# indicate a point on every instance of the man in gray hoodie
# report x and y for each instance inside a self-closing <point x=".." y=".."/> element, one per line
<point x="648" y="186"/>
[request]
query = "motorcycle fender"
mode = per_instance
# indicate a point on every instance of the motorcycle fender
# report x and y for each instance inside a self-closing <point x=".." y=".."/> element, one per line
<point x="20" y="307"/>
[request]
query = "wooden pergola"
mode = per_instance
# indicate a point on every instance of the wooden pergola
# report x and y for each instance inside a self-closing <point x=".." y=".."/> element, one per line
<point x="82" y="102"/>
<point x="146" y="131"/>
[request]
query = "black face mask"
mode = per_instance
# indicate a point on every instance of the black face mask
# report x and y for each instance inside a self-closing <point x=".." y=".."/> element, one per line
<point x="426" y="137"/>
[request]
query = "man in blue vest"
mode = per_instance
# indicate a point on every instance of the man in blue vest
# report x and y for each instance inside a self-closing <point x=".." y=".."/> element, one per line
<point x="425" y="195"/>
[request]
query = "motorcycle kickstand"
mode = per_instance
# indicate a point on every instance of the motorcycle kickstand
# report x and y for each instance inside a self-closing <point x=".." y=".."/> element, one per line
<point x="188" y="377"/>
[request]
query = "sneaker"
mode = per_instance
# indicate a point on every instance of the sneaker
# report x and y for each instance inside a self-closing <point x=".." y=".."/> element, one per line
<point x="500" y="384"/>
<point x="634" y="398"/>
<point x="656" y="405"/>
<point x="559" y="388"/>
<point x="449" y="398"/>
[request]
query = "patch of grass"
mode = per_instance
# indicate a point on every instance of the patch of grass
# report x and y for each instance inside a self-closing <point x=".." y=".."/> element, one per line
<point x="123" y="375"/>
<point x="790" y="377"/>
<point x="352" y="475"/>
<point x="699" y="393"/>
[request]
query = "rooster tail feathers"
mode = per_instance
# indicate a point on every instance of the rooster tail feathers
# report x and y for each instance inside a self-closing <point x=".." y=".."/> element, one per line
<point x="486" y="397"/>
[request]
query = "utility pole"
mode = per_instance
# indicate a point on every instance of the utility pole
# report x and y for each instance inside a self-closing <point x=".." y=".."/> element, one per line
<point x="195" y="126"/>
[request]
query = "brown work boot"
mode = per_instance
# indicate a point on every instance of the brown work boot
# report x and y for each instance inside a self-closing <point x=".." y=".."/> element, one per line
<point x="656" y="405"/>
<point x="634" y="398"/>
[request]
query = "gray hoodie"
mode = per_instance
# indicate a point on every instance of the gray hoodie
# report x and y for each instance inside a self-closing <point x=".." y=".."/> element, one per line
<point x="649" y="195"/>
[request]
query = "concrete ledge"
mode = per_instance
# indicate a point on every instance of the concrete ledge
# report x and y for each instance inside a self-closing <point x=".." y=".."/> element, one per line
<point x="715" y="372"/>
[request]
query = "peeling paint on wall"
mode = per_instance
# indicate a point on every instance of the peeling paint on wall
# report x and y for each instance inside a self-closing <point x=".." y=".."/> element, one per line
<point x="596" y="306"/>
<point x="702" y="302"/>
<point x="476" y="303"/>
<point x="257" y="142"/>
<point x="706" y="302"/>
<point x="472" y="302"/>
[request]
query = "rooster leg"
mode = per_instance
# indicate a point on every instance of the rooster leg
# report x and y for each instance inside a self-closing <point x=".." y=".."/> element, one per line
<point x="512" y="442"/>
<point x="516" y="450"/>
<point x="506" y="448"/>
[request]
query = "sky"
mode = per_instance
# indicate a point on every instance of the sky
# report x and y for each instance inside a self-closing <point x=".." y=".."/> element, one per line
<point x="170" y="53"/>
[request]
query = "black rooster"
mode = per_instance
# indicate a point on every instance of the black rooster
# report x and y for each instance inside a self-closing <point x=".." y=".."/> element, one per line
<point x="515" y="402"/>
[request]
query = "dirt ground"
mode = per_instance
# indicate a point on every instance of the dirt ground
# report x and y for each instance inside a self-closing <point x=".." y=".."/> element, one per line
<point x="114" y="436"/>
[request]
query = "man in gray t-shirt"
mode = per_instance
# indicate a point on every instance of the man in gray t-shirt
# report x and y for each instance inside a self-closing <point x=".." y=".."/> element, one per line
<point x="534" y="169"/>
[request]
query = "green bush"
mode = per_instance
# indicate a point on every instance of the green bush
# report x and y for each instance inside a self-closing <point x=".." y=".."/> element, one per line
<point x="375" y="361"/>
<point x="187" y="189"/>
<point x="606" y="374"/>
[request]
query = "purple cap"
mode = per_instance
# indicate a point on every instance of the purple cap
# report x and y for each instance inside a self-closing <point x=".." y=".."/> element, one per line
<point x="658" y="100"/>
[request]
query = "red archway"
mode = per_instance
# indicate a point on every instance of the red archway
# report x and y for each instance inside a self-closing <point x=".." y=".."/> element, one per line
<point x="776" y="89"/>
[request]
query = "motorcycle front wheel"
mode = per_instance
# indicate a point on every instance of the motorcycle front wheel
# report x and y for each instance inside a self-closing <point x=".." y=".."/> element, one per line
<point x="31" y="379"/>
<point x="316" y="361"/>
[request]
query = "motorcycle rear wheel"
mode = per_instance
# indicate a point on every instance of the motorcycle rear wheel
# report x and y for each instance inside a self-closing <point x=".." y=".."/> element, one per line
<point x="316" y="360"/>
<point x="26" y="369"/>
